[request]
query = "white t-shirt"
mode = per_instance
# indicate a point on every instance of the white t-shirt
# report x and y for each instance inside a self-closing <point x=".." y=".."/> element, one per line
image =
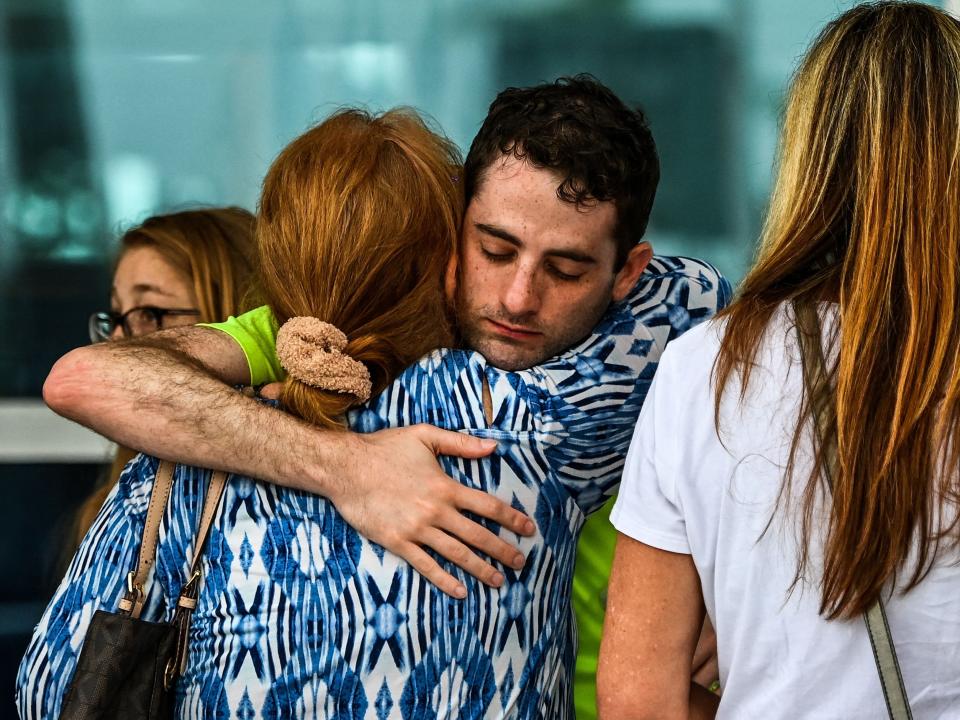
<point x="686" y="492"/>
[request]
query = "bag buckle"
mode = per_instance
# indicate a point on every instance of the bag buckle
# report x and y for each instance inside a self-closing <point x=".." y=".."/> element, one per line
<point x="134" y="589"/>
<point x="188" y="587"/>
<point x="169" y="674"/>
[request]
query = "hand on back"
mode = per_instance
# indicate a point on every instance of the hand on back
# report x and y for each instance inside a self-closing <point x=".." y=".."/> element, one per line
<point x="395" y="493"/>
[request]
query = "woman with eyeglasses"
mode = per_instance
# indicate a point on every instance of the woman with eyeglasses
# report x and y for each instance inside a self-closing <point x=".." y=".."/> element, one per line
<point x="181" y="268"/>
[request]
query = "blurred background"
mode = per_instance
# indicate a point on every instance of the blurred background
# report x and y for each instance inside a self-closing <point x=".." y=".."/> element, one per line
<point x="112" y="110"/>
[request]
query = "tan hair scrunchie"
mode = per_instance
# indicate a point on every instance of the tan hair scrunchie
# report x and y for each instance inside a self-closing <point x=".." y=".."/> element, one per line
<point x="312" y="352"/>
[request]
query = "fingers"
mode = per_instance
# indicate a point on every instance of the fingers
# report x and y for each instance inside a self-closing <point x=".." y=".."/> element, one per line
<point x="421" y="561"/>
<point x="480" y="538"/>
<point x="491" y="508"/>
<point x="447" y="442"/>
<point x="705" y="662"/>
<point x="271" y="391"/>
<point x="459" y="554"/>
<point x="434" y="503"/>
<point x="707" y="673"/>
<point x="706" y="649"/>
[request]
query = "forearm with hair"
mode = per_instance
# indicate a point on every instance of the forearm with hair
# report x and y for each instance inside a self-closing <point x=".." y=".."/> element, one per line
<point x="151" y="396"/>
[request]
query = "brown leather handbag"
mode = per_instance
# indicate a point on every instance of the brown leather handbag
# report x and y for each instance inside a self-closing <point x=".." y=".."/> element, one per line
<point x="128" y="666"/>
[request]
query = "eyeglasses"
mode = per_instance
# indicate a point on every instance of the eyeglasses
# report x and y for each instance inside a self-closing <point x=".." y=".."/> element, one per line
<point x="135" y="321"/>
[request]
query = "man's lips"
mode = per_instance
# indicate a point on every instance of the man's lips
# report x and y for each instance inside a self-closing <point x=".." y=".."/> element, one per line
<point x="511" y="331"/>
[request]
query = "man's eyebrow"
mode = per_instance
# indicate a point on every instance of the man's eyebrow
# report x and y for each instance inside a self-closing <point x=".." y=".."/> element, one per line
<point x="514" y="240"/>
<point x="572" y="255"/>
<point x="498" y="233"/>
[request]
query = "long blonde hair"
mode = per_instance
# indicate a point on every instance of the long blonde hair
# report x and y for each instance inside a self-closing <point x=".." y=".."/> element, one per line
<point x="358" y="219"/>
<point x="866" y="212"/>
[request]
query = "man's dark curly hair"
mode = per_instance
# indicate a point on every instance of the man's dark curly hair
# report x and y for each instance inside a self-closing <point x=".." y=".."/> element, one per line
<point x="579" y="129"/>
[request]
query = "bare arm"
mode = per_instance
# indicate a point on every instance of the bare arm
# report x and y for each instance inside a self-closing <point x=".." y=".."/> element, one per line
<point x="654" y="617"/>
<point x="165" y="394"/>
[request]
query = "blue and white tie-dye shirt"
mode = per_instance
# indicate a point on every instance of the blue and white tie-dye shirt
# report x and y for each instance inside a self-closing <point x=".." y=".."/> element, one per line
<point x="300" y="616"/>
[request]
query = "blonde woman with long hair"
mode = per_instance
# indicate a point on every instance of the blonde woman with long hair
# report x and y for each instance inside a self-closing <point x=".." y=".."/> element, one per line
<point x="174" y="269"/>
<point x="824" y="486"/>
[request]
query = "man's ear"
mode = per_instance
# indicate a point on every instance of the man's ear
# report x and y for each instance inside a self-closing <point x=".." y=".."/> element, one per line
<point x="450" y="279"/>
<point x="636" y="263"/>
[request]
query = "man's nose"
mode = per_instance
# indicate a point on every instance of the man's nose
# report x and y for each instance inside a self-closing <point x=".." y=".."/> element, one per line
<point x="522" y="296"/>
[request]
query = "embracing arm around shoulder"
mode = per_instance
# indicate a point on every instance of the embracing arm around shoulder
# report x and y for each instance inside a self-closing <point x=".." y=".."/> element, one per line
<point x="168" y="394"/>
<point x="654" y="616"/>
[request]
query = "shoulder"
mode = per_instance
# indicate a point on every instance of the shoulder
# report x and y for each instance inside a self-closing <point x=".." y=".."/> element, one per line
<point x="136" y="483"/>
<point x="673" y="295"/>
<point x="437" y="369"/>
<point x="437" y="389"/>
<point x="138" y="478"/>
<point x="691" y="357"/>
<point x="688" y="283"/>
<point x="679" y="267"/>
<point x="694" y="353"/>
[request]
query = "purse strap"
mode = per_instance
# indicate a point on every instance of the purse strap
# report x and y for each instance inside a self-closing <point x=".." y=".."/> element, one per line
<point x="885" y="656"/>
<point x="132" y="602"/>
<point x="875" y="617"/>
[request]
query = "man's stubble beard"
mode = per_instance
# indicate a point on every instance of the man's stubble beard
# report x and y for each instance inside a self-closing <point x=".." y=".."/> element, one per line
<point x="504" y="354"/>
